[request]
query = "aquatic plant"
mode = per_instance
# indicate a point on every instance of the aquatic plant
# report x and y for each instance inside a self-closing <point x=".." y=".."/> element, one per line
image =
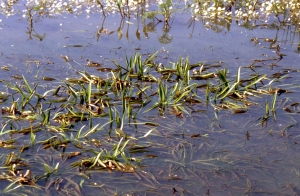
<point x="87" y="120"/>
<point x="151" y="121"/>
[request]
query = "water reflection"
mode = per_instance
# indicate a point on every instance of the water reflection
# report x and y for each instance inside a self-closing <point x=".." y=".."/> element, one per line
<point x="166" y="37"/>
<point x="31" y="32"/>
<point x="217" y="17"/>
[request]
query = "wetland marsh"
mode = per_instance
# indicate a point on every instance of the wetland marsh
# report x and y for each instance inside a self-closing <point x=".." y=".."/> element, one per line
<point x="149" y="97"/>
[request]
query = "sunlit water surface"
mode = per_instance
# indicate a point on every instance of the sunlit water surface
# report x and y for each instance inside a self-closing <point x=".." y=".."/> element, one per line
<point x="222" y="161"/>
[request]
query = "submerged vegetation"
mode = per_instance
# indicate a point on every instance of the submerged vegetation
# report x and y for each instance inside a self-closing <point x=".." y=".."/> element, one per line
<point x="146" y="124"/>
<point x="84" y="124"/>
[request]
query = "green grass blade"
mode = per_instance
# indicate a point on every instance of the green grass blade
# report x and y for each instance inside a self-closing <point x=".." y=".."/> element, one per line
<point x="230" y="90"/>
<point x="274" y="101"/>
<point x="89" y="92"/>
<point x="27" y="84"/>
<point x="116" y="151"/>
<point x="151" y="58"/>
<point x="79" y="132"/>
<point x="267" y="109"/>
<point x="92" y="130"/>
<point x="256" y="81"/>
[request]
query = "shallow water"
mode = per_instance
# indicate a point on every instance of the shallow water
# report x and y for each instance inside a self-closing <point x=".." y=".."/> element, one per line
<point x="221" y="160"/>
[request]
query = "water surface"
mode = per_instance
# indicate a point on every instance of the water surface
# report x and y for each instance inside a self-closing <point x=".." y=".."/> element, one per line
<point x="206" y="151"/>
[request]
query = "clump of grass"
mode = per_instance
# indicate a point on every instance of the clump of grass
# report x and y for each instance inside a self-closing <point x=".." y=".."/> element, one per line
<point x="88" y="120"/>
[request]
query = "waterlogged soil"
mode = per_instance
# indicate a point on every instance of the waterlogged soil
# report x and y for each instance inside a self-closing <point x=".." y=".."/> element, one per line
<point x="212" y="149"/>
